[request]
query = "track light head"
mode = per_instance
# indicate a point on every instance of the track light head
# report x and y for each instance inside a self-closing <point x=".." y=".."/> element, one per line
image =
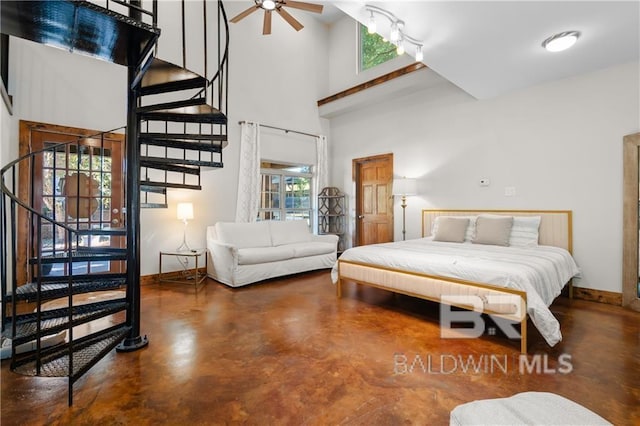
<point x="371" y="27"/>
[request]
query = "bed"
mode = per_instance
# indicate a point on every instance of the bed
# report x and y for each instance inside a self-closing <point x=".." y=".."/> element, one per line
<point x="529" y="275"/>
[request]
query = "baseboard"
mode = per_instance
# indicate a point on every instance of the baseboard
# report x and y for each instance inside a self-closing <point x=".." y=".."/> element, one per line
<point x="601" y="296"/>
<point x="153" y="278"/>
<point x="590" y="294"/>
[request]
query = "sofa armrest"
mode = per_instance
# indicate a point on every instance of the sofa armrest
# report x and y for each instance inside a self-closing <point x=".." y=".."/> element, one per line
<point x="326" y="238"/>
<point x="224" y="259"/>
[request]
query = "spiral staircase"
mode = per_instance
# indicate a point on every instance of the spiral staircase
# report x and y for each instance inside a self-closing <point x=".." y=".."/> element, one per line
<point x="168" y="144"/>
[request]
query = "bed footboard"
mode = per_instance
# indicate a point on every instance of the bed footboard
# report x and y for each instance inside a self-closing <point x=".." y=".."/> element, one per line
<point x="435" y="288"/>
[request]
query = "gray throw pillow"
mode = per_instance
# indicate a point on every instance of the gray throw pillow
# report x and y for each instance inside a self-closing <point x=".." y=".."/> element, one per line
<point x="493" y="230"/>
<point x="451" y="229"/>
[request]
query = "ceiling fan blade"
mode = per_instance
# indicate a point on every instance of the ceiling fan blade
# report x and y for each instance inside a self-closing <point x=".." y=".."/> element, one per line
<point x="266" y="26"/>
<point x="309" y="7"/>
<point x="244" y="14"/>
<point x="290" y="19"/>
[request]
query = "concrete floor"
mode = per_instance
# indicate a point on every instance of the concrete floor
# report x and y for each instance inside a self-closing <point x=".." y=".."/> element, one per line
<point x="288" y="352"/>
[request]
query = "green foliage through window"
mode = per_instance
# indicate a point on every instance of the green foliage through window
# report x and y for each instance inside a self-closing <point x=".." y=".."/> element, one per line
<point x="374" y="50"/>
<point x="285" y="192"/>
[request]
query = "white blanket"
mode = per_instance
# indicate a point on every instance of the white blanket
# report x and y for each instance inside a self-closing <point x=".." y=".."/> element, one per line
<point x="540" y="271"/>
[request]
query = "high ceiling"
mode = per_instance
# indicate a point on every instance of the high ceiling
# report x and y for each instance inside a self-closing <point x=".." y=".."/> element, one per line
<point x="489" y="48"/>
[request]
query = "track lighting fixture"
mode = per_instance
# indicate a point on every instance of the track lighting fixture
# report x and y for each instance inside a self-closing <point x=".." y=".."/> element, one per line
<point x="371" y="27"/>
<point x="397" y="35"/>
<point x="395" y="32"/>
<point x="419" y="56"/>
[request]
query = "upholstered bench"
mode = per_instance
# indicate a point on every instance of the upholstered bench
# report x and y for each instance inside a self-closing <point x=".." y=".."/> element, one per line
<point x="527" y="408"/>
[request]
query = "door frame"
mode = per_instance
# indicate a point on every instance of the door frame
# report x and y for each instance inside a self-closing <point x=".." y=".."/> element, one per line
<point x="355" y="176"/>
<point x="26" y="128"/>
<point x="630" y="270"/>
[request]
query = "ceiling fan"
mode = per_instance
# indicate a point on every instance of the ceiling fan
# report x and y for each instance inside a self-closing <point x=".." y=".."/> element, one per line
<point x="278" y="5"/>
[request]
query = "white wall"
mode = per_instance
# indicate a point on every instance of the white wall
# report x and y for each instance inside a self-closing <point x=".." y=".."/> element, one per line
<point x="274" y="79"/>
<point x="558" y="144"/>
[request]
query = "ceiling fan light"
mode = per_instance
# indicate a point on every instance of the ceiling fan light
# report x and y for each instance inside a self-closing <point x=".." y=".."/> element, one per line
<point x="561" y="41"/>
<point x="419" y="55"/>
<point x="400" y="49"/>
<point x="268" y="4"/>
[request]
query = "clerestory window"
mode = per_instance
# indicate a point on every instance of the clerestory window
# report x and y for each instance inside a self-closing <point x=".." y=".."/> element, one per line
<point x="374" y="50"/>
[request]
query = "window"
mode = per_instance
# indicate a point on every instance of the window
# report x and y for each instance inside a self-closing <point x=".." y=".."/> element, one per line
<point x="374" y="49"/>
<point x="285" y="192"/>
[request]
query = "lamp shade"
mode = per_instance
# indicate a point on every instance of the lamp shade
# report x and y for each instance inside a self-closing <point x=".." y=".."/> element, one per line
<point x="405" y="186"/>
<point x="185" y="211"/>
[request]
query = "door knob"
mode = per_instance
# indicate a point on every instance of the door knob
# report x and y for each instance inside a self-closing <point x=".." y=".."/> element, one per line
<point x="115" y="222"/>
<point x="115" y="211"/>
<point x="360" y="216"/>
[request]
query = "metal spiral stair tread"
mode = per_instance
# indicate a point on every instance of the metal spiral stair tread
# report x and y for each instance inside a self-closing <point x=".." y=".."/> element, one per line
<point x="85" y="351"/>
<point x="55" y="320"/>
<point x="54" y="289"/>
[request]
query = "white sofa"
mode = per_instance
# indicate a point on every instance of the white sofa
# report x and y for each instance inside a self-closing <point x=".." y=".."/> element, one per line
<point x="244" y="253"/>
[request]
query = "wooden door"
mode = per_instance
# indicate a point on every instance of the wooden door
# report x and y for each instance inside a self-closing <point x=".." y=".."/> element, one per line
<point x="78" y="182"/>
<point x="374" y="200"/>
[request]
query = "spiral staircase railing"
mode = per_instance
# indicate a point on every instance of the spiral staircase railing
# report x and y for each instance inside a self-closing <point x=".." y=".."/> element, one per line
<point x="36" y="346"/>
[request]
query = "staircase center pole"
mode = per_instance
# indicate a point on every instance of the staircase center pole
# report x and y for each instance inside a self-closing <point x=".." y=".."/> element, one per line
<point x="133" y="341"/>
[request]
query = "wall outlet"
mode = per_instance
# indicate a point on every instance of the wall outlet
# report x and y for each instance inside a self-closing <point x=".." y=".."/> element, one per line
<point x="509" y="191"/>
<point x="484" y="182"/>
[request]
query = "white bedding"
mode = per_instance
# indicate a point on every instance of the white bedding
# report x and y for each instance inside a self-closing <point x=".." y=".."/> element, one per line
<point x="540" y="271"/>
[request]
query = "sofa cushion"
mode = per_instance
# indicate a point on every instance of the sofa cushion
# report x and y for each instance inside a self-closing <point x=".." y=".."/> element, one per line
<point x="243" y="235"/>
<point x="257" y="255"/>
<point x="289" y="232"/>
<point x="311" y="249"/>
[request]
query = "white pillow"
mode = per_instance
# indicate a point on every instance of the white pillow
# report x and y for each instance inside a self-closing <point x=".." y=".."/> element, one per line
<point x="471" y="228"/>
<point x="524" y="232"/>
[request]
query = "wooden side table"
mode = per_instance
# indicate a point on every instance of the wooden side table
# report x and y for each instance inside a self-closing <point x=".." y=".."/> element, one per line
<point x="190" y="276"/>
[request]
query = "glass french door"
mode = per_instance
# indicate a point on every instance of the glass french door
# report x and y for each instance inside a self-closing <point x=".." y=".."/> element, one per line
<point x="77" y="182"/>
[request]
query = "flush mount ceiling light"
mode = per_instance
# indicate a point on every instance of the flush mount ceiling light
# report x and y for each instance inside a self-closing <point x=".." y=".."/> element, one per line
<point x="278" y="5"/>
<point x="397" y="35"/>
<point x="561" y="41"/>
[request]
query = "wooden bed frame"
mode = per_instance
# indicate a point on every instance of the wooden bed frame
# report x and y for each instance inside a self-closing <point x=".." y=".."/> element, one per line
<point x="555" y="230"/>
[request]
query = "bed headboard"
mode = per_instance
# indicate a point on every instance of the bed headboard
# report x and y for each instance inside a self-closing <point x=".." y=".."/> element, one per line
<point x="555" y="225"/>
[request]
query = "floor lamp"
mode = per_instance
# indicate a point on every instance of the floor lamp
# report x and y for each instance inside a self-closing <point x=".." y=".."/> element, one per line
<point x="404" y="187"/>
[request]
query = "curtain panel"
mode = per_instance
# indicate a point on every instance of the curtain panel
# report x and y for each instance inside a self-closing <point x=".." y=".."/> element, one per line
<point x="248" y="200"/>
